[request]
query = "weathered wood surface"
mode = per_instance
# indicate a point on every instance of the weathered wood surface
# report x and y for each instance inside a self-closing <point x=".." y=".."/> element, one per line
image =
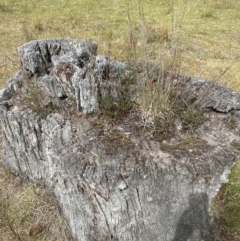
<point x="114" y="182"/>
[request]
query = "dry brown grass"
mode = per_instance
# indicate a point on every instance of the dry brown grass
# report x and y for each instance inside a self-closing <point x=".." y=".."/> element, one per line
<point x="29" y="212"/>
<point x="205" y="33"/>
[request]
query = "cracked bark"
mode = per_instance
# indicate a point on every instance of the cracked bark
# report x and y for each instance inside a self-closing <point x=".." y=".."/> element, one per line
<point x="105" y="191"/>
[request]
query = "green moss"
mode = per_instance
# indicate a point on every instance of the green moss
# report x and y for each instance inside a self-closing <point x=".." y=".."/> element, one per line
<point x="116" y="141"/>
<point x="185" y="145"/>
<point x="159" y="136"/>
<point x="236" y="144"/>
<point x="233" y="123"/>
<point x="97" y="125"/>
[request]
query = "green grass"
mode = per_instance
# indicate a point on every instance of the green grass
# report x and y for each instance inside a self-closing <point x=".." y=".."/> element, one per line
<point x="204" y="35"/>
<point x="226" y="208"/>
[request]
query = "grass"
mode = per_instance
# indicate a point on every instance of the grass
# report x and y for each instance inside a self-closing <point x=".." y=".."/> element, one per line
<point x="226" y="206"/>
<point x="29" y="212"/>
<point x="196" y="38"/>
<point x="206" y="50"/>
<point x="161" y="108"/>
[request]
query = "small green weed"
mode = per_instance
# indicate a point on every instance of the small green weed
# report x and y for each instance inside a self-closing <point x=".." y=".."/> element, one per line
<point x="191" y="116"/>
<point x="115" y="108"/>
